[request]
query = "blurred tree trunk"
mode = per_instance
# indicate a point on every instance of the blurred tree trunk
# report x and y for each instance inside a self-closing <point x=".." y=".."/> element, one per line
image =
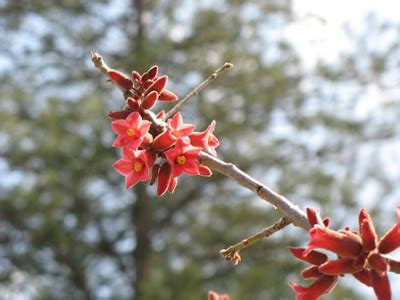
<point x="142" y="220"/>
<point x="142" y="209"/>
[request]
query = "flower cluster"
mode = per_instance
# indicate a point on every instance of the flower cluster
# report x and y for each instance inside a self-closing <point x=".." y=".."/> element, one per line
<point x="359" y="253"/>
<point x="154" y="148"/>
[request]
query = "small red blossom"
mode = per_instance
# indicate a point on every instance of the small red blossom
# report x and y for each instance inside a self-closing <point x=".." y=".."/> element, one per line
<point x="183" y="158"/>
<point x="176" y="130"/>
<point x="206" y="140"/>
<point x="131" y="131"/>
<point x="360" y="253"/>
<point x="134" y="165"/>
<point x="214" y="296"/>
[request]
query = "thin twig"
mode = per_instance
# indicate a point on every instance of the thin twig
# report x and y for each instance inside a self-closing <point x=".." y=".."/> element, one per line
<point x="197" y="90"/>
<point x="293" y="212"/>
<point x="233" y="250"/>
<point x="99" y="62"/>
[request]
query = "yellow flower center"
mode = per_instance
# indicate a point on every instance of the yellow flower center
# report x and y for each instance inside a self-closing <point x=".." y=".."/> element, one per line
<point x="137" y="166"/>
<point x="181" y="159"/>
<point x="210" y="138"/>
<point x="131" y="132"/>
<point x="176" y="133"/>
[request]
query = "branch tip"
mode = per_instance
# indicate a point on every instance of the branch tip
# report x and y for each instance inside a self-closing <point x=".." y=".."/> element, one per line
<point x="197" y="89"/>
<point x="232" y="252"/>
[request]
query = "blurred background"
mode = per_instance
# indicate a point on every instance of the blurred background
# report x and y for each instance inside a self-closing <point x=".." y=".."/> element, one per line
<point x="311" y="109"/>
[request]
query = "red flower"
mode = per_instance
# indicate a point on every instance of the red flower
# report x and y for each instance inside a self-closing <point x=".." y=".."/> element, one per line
<point x="183" y="158"/>
<point x="130" y="131"/>
<point x="134" y="165"/>
<point x="359" y="253"/>
<point x="214" y="296"/>
<point x="206" y="140"/>
<point x="176" y="130"/>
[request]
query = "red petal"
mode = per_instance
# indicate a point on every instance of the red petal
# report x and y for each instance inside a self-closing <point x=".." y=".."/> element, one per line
<point x="325" y="221"/>
<point x="367" y="231"/>
<point x="338" y="267"/>
<point x="394" y="266"/>
<point x="312" y="257"/>
<point x="152" y="72"/>
<point x="137" y="77"/>
<point x="163" y="140"/>
<point x="133" y="104"/>
<point x="120" y="79"/>
<point x="323" y="285"/>
<point x="378" y="263"/>
<point x="343" y="244"/>
<point x="176" y="121"/>
<point x="128" y="154"/>
<point x="186" y="129"/>
<point x="391" y="240"/>
<point x="314" y="217"/>
<point x="364" y="277"/>
<point x="205" y="171"/>
<point x="161" y="115"/>
<point x="118" y="115"/>
<point x="150" y="157"/>
<point x="131" y="180"/>
<point x="172" y="185"/>
<point x="150" y="100"/>
<point x="120" y="127"/>
<point x="167" y="95"/>
<point x="191" y="167"/>
<point x="154" y="173"/>
<point x="164" y="178"/>
<point x="158" y="85"/>
<point x="381" y="285"/>
<point x="123" y="167"/>
<point x="311" y="272"/>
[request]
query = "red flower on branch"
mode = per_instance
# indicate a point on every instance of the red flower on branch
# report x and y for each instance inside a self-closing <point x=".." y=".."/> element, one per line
<point x="134" y="165"/>
<point x="131" y="131"/>
<point x="206" y="140"/>
<point x="359" y="253"/>
<point x="176" y="130"/>
<point x="183" y="158"/>
<point x="171" y="143"/>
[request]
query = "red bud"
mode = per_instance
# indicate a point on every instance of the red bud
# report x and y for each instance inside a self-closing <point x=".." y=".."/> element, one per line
<point x="137" y="77"/>
<point x="150" y="100"/>
<point x="164" y="179"/>
<point x="158" y="85"/>
<point x="167" y="95"/>
<point x="154" y="173"/>
<point x="152" y="72"/>
<point x="120" y="79"/>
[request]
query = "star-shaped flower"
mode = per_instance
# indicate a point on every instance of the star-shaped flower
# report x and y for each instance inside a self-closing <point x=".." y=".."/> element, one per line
<point x="206" y="140"/>
<point x="131" y="131"/>
<point x="176" y="130"/>
<point x="134" y="165"/>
